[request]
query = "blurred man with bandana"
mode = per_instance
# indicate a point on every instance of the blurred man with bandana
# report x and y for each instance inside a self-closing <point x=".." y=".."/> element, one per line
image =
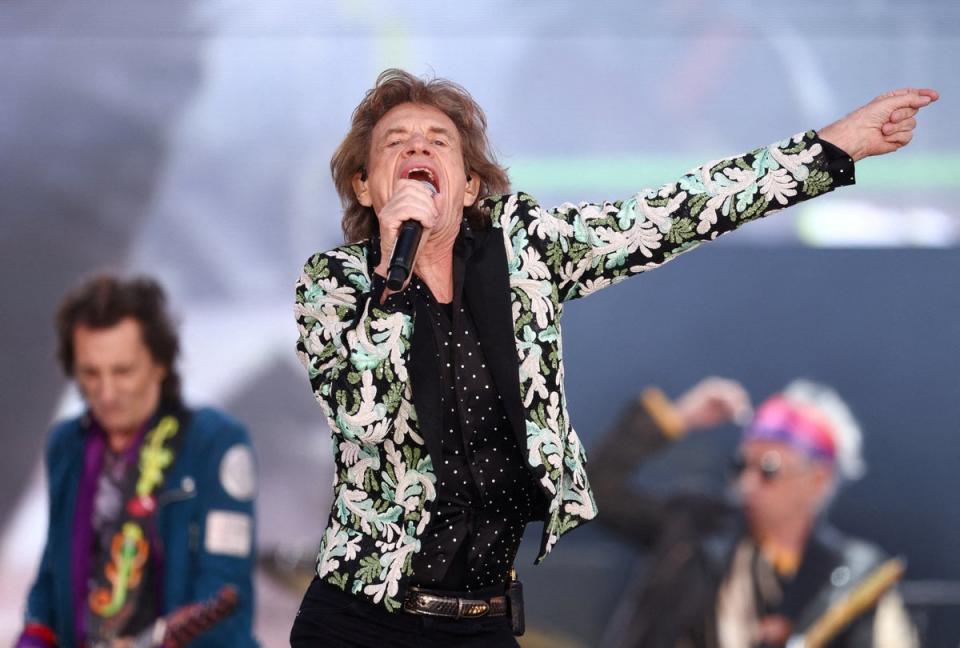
<point x="765" y="571"/>
<point x="150" y="503"/>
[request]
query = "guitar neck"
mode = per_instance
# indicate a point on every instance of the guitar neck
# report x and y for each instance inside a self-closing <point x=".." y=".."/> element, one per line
<point x="188" y="622"/>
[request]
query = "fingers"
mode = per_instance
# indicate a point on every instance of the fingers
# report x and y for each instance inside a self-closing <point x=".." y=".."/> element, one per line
<point x="901" y="114"/>
<point x="736" y="400"/>
<point x="912" y="101"/>
<point x="901" y="92"/>
<point x="893" y="93"/>
<point x="417" y="188"/>
<point x="726" y="390"/>
<point x="411" y="201"/>
<point x="900" y="139"/>
<point x="906" y="125"/>
<point x="713" y="401"/>
<point x="908" y="99"/>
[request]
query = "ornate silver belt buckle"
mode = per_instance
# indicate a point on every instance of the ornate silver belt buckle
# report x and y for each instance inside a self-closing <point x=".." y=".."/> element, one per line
<point x="473" y="608"/>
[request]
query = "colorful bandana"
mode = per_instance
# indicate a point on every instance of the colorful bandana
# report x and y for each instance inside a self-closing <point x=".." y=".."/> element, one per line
<point x="803" y="428"/>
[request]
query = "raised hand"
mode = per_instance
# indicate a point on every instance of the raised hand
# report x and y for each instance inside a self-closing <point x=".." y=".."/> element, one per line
<point x="882" y="126"/>
<point x="713" y="401"/>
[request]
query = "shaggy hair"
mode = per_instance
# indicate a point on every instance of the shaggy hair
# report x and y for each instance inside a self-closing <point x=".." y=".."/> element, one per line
<point x="393" y="88"/>
<point x="104" y="301"/>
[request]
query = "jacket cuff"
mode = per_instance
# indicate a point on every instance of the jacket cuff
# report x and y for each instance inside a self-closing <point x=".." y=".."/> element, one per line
<point x="837" y="163"/>
<point x="663" y="413"/>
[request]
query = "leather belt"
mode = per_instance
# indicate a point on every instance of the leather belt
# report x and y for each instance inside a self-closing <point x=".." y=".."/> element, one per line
<point x="434" y="603"/>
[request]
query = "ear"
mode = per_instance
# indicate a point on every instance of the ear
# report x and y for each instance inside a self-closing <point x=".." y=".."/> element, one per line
<point x="360" y="189"/>
<point x="471" y="190"/>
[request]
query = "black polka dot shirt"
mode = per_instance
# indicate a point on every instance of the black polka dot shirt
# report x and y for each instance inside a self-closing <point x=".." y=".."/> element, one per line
<point x="485" y="493"/>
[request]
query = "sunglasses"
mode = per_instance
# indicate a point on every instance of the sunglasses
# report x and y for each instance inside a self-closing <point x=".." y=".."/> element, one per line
<point x="770" y="466"/>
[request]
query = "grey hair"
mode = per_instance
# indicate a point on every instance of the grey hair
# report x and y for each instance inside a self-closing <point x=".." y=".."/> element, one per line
<point x="847" y="434"/>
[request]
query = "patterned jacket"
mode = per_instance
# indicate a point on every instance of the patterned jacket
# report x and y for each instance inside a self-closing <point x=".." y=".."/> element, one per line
<point x="531" y="260"/>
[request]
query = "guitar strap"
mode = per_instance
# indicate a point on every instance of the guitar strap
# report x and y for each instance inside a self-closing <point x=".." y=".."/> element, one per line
<point x="120" y="570"/>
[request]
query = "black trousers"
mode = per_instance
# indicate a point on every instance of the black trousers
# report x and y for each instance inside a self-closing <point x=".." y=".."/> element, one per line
<point x="331" y="618"/>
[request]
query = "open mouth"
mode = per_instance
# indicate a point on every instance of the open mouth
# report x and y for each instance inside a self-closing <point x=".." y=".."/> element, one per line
<point x="423" y="174"/>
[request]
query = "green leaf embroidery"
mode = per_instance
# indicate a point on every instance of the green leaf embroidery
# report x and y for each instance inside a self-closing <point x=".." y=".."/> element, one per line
<point x="391" y="603"/>
<point x="757" y="208"/>
<point x="568" y="524"/>
<point x="697" y="203"/>
<point x="796" y="148"/>
<point x="658" y="202"/>
<point x="682" y="230"/>
<point x="339" y="579"/>
<point x="719" y="166"/>
<point x="817" y="182"/>
<point x="369" y="568"/>
<point x="555" y="255"/>
<point x="317" y="266"/>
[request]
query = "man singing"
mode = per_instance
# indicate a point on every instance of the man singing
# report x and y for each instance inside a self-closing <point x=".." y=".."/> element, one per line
<point x="445" y="398"/>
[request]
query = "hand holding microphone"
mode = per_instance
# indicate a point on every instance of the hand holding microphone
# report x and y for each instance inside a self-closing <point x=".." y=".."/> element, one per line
<point x="409" y="211"/>
<point x="405" y="249"/>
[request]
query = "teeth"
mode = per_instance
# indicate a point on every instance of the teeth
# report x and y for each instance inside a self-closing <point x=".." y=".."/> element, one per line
<point x="421" y="170"/>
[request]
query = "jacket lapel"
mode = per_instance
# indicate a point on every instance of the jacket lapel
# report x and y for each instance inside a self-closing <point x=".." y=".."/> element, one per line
<point x="487" y="292"/>
<point x="425" y="382"/>
<point x="809" y="589"/>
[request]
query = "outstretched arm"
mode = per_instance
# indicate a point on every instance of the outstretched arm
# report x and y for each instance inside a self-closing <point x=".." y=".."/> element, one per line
<point x="584" y="247"/>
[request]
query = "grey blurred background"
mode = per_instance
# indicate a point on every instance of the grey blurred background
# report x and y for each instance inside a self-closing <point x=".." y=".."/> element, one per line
<point x="190" y="139"/>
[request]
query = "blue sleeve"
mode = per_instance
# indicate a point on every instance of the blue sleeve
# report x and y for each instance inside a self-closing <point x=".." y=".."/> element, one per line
<point x="226" y="492"/>
<point x="41" y="606"/>
<point x="40" y="598"/>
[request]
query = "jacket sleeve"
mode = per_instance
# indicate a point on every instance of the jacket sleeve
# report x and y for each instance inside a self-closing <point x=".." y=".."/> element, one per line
<point x="643" y="429"/>
<point x="40" y="619"/>
<point x="40" y="616"/>
<point x="353" y="347"/>
<point x="584" y="247"/>
<point x="226" y="545"/>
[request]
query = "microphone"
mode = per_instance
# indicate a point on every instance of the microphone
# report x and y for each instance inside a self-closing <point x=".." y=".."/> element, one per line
<point x="405" y="249"/>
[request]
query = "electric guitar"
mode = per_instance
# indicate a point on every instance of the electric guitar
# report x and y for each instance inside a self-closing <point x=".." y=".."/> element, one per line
<point x="185" y="624"/>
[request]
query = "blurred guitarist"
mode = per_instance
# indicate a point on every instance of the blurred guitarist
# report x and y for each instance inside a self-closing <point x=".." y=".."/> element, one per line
<point x="764" y="570"/>
<point x="151" y="503"/>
